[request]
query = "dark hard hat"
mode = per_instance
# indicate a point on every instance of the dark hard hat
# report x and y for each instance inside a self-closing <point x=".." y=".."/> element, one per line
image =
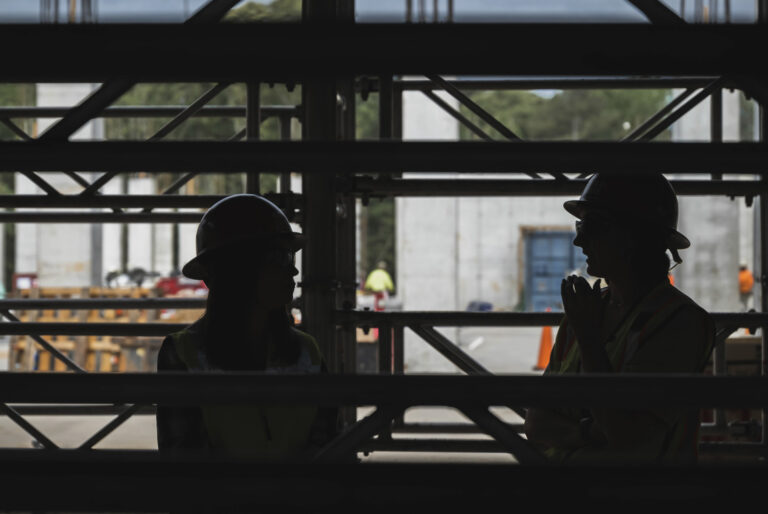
<point x="242" y="219"/>
<point x="645" y="199"/>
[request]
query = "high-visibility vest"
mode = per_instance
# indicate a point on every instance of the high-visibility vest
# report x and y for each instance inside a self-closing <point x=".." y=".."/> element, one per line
<point x="680" y="443"/>
<point x="746" y="281"/>
<point x="260" y="431"/>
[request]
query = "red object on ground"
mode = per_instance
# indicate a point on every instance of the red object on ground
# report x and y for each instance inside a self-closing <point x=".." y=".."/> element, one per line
<point x="172" y="285"/>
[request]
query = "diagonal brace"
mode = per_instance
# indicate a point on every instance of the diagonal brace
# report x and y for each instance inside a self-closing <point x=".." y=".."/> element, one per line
<point x="520" y="448"/>
<point x="683" y="110"/>
<point x="166" y="129"/>
<point x="16" y="129"/>
<point x="110" y="427"/>
<point x="449" y="350"/>
<point x="110" y="91"/>
<point x="360" y="432"/>
<point x="457" y="115"/>
<point x="657" y="12"/>
<point x="27" y="427"/>
<point x="45" y="344"/>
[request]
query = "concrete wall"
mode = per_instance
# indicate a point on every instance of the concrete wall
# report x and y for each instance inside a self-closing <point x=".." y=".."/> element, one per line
<point x="140" y="235"/>
<point x="61" y="254"/>
<point x="426" y="230"/>
<point x="720" y="229"/>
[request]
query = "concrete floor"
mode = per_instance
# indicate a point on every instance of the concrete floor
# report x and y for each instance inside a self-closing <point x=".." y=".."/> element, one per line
<point x="501" y="350"/>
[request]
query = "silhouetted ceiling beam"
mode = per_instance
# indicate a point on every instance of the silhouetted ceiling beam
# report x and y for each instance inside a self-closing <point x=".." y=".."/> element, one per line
<point x="384" y="157"/>
<point x="290" y="52"/>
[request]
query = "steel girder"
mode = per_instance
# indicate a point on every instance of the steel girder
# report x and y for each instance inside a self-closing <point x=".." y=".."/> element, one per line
<point x="295" y="51"/>
<point x="185" y="388"/>
<point x="384" y="157"/>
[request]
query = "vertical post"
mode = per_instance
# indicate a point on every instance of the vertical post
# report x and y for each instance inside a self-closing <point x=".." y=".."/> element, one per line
<point x="385" y="107"/>
<point x="762" y="18"/>
<point x="716" y="121"/>
<point x="397" y="111"/>
<point x="285" y="135"/>
<point x="398" y="361"/>
<point x="319" y="255"/>
<point x="385" y="349"/>
<point x="252" y="129"/>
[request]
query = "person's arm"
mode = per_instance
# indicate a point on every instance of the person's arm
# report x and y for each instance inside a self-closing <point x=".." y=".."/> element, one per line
<point x="178" y="427"/>
<point x="548" y="428"/>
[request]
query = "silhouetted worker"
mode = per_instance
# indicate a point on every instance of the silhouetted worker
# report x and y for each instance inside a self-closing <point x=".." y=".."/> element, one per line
<point x="245" y="255"/>
<point x="640" y="323"/>
<point x="746" y="283"/>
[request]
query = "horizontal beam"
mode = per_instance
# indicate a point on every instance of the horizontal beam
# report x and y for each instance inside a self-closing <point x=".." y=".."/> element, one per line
<point x="531" y="83"/>
<point x="79" y="410"/>
<point x="153" y="111"/>
<point x="162" y="52"/>
<point x="501" y="319"/>
<point x="166" y="480"/>
<point x="383" y="157"/>
<point x="91" y="329"/>
<point x="108" y="201"/>
<point x="101" y="303"/>
<point x="359" y="318"/>
<point x="610" y="390"/>
<point x="368" y="186"/>
<point x="100" y="217"/>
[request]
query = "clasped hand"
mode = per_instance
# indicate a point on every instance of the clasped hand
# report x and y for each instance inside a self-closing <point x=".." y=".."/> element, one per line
<point x="584" y="307"/>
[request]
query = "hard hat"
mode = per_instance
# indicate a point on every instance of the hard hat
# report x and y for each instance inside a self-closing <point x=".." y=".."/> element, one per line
<point x="236" y="220"/>
<point x="646" y="199"/>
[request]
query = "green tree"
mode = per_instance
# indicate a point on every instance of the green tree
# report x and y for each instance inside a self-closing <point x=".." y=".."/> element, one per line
<point x="587" y="115"/>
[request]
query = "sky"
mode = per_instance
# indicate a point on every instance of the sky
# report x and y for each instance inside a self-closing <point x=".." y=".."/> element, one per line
<point x="173" y="11"/>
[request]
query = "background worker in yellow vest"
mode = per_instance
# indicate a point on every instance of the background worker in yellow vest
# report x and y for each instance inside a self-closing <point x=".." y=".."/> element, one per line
<point x="640" y="323"/>
<point x="245" y="255"/>
<point x="379" y="282"/>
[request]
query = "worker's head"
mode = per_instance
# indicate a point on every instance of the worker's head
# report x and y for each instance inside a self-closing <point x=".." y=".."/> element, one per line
<point x="245" y="252"/>
<point x="381" y="265"/>
<point x="743" y="267"/>
<point x="626" y="224"/>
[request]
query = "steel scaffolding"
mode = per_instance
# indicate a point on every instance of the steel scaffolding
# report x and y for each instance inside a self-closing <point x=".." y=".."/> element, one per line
<point x="333" y="60"/>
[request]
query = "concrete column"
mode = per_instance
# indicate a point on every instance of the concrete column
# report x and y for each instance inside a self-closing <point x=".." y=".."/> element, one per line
<point x="427" y="237"/>
<point x="111" y="240"/>
<point x="140" y="235"/>
<point x="63" y="255"/>
<point x="710" y="267"/>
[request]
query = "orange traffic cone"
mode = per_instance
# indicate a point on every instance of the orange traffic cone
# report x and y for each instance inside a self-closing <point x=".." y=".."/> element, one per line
<point x="545" y="347"/>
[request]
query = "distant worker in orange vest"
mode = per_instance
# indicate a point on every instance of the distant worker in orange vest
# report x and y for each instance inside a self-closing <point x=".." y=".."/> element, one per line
<point x="746" y="284"/>
<point x="638" y="324"/>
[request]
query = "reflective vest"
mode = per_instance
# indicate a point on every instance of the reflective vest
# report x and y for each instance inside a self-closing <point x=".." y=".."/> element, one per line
<point x="680" y="443"/>
<point x="261" y="431"/>
<point x="746" y="281"/>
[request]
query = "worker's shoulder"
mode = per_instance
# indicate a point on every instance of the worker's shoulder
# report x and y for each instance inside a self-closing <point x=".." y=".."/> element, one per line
<point x="169" y="358"/>
<point x="686" y="320"/>
<point x="308" y="342"/>
<point x="687" y="308"/>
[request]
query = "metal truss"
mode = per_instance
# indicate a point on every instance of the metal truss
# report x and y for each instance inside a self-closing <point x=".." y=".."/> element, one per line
<point x="326" y="60"/>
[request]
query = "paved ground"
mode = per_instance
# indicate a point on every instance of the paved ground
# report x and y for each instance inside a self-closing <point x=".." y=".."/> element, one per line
<point x="501" y="350"/>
